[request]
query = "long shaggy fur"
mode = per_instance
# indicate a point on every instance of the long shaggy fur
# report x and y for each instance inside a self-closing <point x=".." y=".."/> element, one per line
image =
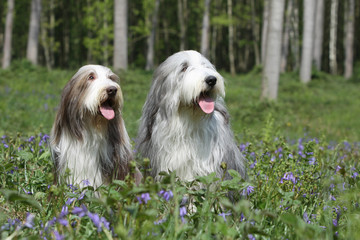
<point x="85" y="138"/>
<point x="175" y="133"/>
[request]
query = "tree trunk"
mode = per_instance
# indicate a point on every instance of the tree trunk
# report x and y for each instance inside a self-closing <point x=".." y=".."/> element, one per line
<point x="264" y="32"/>
<point x="34" y="29"/>
<point x="205" y="29"/>
<point x="8" y="34"/>
<point x="294" y="37"/>
<point x="120" y="34"/>
<point x="333" y="36"/>
<point x="318" y="33"/>
<point x="308" y="40"/>
<point x="255" y="32"/>
<point x="52" y="33"/>
<point x="231" y="38"/>
<point x="349" y="38"/>
<point x="286" y="36"/>
<point x="270" y="79"/>
<point x="151" y="38"/>
<point x="182" y="16"/>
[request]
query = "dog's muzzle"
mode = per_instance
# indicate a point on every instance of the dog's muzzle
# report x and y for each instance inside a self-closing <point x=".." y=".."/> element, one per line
<point x="106" y="107"/>
<point x="206" y="101"/>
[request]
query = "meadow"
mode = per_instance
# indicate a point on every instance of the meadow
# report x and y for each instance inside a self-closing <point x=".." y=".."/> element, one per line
<point x="302" y="152"/>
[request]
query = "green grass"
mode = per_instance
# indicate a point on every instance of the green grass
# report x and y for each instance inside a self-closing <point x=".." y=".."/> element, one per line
<point x="303" y="178"/>
<point x="328" y="106"/>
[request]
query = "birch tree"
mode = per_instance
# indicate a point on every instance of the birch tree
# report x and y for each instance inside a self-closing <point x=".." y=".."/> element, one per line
<point x="333" y="36"/>
<point x="120" y="34"/>
<point x="205" y="29"/>
<point x="349" y="37"/>
<point x="151" y="38"/>
<point x="34" y="29"/>
<point x="264" y="32"/>
<point x="318" y="33"/>
<point x="271" y="71"/>
<point x="8" y="34"/>
<point x="308" y="39"/>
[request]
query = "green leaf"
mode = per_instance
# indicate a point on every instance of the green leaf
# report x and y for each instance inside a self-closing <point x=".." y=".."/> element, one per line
<point x="25" y="155"/>
<point x="14" y="196"/>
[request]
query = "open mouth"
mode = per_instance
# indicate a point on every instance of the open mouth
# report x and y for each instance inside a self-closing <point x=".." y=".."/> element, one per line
<point x="107" y="110"/>
<point x="206" y="102"/>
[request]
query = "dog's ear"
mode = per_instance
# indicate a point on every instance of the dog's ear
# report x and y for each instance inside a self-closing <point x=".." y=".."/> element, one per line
<point x="70" y="114"/>
<point x="122" y="153"/>
<point x="151" y="107"/>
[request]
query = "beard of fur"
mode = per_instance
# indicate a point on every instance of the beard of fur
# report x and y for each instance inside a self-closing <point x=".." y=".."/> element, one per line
<point x="74" y="121"/>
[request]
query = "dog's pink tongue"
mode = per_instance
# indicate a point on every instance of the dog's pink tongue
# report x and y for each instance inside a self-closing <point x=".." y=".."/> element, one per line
<point x="206" y="104"/>
<point x="107" y="112"/>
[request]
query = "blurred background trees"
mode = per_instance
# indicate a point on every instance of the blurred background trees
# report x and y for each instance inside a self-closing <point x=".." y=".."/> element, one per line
<point x="322" y="35"/>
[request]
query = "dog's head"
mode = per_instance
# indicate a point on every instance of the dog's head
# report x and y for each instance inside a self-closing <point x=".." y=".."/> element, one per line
<point x="187" y="79"/>
<point x="92" y="94"/>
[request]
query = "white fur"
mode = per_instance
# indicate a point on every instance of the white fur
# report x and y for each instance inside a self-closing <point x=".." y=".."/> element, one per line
<point x="174" y="133"/>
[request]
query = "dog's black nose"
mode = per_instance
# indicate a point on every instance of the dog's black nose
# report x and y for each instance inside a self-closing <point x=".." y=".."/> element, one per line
<point x="111" y="91"/>
<point x="210" y="80"/>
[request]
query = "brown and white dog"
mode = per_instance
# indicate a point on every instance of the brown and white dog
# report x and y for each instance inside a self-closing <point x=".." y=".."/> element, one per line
<point x="89" y="135"/>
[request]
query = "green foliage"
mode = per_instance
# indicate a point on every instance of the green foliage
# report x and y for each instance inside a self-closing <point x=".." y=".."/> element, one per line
<point x="29" y="97"/>
<point x="303" y="189"/>
<point x="99" y="24"/>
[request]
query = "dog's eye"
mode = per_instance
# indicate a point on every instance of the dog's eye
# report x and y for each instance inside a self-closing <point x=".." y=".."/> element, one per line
<point x="91" y="77"/>
<point x="184" y="67"/>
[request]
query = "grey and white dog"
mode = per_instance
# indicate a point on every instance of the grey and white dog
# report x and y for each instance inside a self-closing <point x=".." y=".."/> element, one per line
<point x="185" y="124"/>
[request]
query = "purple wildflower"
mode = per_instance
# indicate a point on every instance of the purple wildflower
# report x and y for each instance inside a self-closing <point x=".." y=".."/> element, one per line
<point x="58" y="236"/>
<point x="248" y="190"/>
<point x="224" y="215"/>
<point x="105" y="223"/>
<point x="29" y="223"/>
<point x="64" y="211"/>
<point x="63" y="222"/>
<point x="95" y="219"/>
<point x="312" y="161"/>
<point x="183" y="212"/>
<point x="31" y="139"/>
<point x="70" y="201"/>
<point x="335" y="222"/>
<point x="28" y="193"/>
<point x="82" y="195"/>
<point x="6" y="146"/>
<point x="355" y="174"/>
<point x="50" y="223"/>
<point x="160" y="221"/>
<point x="80" y="211"/>
<point x="251" y="237"/>
<point x="253" y="164"/>
<point x="167" y="195"/>
<point x="306" y="218"/>
<point x="85" y="182"/>
<point x="337" y="169"/>
<point x="144" y="198"/>
<point x="288" y="176"/>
